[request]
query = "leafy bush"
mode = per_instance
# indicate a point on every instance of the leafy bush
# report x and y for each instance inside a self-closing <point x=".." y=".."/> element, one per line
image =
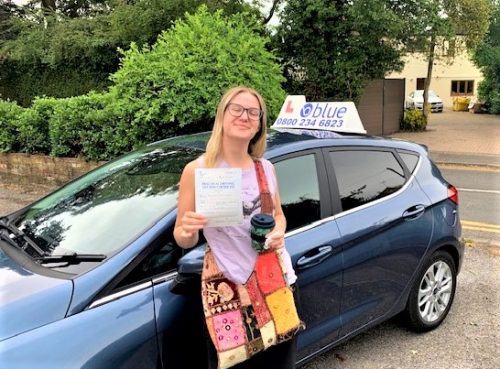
<point x="70" y="125"/>
<point x="33" y="126"/>
<point x="414" y="120"/>
<point x="178" y="82"/>
<point x="9" y="113"/>
<point x="489" y="92"/>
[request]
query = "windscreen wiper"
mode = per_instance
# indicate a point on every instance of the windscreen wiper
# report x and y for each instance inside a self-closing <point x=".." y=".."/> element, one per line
<point x="19" y="238"/>
<point x="70" y="258"/>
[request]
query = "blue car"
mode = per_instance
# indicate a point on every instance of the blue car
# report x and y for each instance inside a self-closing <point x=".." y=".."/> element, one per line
<point x="91" y="277"/>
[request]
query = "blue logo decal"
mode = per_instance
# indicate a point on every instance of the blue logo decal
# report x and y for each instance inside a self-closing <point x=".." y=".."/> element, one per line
<point x="306" y="110"/>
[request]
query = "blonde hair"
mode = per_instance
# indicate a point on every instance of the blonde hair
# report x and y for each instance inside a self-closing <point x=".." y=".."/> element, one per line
<point x="257" y="145"/>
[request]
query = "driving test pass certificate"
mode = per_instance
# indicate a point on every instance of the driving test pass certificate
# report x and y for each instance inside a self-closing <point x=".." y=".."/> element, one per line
<point x="218" y="196"/>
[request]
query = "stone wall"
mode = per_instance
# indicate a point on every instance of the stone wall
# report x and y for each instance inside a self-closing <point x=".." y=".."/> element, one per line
<point x="41" y="169"/>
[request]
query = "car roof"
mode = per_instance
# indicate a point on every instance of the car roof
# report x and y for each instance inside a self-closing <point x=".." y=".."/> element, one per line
<point x="280" y="142"/>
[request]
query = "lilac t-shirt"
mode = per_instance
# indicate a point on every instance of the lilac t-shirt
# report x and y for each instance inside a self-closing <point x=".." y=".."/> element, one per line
<point x="231" y="246"/>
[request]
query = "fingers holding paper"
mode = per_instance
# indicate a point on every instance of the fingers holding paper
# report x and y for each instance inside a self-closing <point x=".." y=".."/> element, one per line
<point x="192" y="223"/>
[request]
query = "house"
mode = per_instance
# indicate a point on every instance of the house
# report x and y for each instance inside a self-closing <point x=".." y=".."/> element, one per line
<point x="453" y="75"/>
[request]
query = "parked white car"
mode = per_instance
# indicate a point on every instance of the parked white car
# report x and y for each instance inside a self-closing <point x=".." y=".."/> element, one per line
<point x="415" y="100"/>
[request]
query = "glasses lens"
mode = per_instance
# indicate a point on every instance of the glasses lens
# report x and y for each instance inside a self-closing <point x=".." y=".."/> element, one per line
<point x="254" y="113"/>
<point x="235" y="109"/>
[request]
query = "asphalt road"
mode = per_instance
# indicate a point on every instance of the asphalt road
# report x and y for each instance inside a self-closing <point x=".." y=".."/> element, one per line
<point x="479" y="196"/>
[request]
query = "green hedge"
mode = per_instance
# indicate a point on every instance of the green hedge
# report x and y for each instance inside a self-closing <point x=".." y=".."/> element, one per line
<point x="33" y="126"/>
<point x="9" y="113"/>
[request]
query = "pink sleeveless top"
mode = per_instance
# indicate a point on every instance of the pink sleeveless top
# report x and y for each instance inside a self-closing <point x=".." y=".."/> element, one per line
<point x="231" y="246"/>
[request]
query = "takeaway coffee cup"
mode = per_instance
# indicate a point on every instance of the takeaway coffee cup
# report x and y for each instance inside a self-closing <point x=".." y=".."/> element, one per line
<point x="260" y="225"/>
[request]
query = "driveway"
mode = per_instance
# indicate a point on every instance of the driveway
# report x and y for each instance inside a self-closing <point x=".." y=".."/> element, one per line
<point x="459" y="133"/>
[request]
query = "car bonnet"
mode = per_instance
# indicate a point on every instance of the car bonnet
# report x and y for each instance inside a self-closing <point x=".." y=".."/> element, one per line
<point x="29" y="300"/>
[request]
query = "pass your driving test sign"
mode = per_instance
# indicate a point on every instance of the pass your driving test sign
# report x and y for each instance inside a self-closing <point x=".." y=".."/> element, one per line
<point x="296" y="113"/>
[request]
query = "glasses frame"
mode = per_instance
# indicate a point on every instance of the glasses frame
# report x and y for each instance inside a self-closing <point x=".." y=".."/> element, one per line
<point x="243" y="109"/>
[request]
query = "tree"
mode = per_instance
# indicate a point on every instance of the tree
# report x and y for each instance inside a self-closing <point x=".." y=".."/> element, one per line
<point x="273" y="7"/>
<point x="8" y="10"/>
<point x="71" y="56"/>
<point x="461" y="23"/>
<point x="73" y="8"/>
<point x="330" y="49"/>
<point x="179" y="80"/>
<point x="487" y="57"/>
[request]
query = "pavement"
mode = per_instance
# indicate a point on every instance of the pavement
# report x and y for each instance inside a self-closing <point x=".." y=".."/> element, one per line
<point x="460" y="138"/>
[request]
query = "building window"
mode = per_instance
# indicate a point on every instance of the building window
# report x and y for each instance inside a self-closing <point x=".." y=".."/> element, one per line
<point x="462" y="88"/>
<point x="420" y="83"/>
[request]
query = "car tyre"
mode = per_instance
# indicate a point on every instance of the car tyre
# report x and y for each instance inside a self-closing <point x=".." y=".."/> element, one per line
<point x="432" y="293"/>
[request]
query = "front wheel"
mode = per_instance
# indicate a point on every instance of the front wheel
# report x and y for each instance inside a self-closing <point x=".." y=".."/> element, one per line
<point x="432" y="294"/>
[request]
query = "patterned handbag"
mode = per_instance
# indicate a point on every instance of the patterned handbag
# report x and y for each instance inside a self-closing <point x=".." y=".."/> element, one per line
<point x="245" y="319"/>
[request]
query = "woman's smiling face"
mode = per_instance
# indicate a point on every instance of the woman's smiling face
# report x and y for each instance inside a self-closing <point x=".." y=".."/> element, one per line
<point x="243" y="127"/>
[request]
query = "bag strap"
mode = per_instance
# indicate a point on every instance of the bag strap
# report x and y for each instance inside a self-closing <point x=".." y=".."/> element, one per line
<point x="266" y="200"/>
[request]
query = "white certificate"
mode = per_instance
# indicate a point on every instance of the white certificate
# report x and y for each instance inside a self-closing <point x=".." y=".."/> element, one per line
<point x="218" y="196"/>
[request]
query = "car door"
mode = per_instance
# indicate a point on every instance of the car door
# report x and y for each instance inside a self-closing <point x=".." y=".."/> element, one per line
<point x="179" y="317"/>
<point x="313" y="242"/>
<point x="172" y="318"/>
<point x="386" y="225"/>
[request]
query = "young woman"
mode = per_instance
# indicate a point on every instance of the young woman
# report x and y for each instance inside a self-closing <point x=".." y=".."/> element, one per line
<point x="238" y="140"/>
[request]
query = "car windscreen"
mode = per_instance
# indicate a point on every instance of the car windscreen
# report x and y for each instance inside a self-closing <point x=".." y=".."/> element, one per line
<point x="109" y="207"/>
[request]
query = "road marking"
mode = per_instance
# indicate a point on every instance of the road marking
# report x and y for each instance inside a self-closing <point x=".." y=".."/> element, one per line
<point x="470" y="167"/>
<point x="478" y="226"/>
<point x="483" y="191"/>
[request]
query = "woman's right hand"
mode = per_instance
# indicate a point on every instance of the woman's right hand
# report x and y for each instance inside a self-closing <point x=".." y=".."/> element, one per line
<point x="191" y="224"/>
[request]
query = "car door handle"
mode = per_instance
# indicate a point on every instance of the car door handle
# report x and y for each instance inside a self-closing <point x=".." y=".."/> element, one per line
<point x="414" y="212"/>
<point x="314" y="257"/>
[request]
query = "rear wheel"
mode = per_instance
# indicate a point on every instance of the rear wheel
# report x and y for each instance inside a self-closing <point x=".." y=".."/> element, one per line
<point x="432" y="294"/>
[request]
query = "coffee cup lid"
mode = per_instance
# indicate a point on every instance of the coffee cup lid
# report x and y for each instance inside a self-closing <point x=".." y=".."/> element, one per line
<point x="263" y="221"/>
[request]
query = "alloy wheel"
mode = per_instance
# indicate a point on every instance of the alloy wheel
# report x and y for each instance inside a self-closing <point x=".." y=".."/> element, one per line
<point x="435" y="291"/>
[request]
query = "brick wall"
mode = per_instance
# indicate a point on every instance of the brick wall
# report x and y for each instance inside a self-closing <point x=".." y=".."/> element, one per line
<point x="25" y="168"/>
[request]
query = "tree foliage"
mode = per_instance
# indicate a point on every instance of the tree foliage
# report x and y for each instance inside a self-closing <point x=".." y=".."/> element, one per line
<point x="71" y="55"/>
<point x="181" y="78"/>
<point x="332" y="48"/>
<point x="73" y="8"/>
<point x="487" y="57"/>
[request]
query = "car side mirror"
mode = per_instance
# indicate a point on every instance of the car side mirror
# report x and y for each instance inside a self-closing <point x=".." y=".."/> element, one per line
<point x="187" y="282"/>
<point x="192" y="262"/>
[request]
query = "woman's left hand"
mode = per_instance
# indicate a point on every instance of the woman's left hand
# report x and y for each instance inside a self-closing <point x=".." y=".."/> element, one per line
<point x="275" y="239"/>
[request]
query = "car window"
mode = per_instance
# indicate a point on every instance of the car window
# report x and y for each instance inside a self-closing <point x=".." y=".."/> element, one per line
<point x="299" y="190"/>
<point x="162" y="259"/>
<point x="410" y="160"/>
<point x="365" y="175"/>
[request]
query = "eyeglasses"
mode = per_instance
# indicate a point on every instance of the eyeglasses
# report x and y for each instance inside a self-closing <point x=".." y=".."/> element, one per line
<point x="236" y="110"/>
